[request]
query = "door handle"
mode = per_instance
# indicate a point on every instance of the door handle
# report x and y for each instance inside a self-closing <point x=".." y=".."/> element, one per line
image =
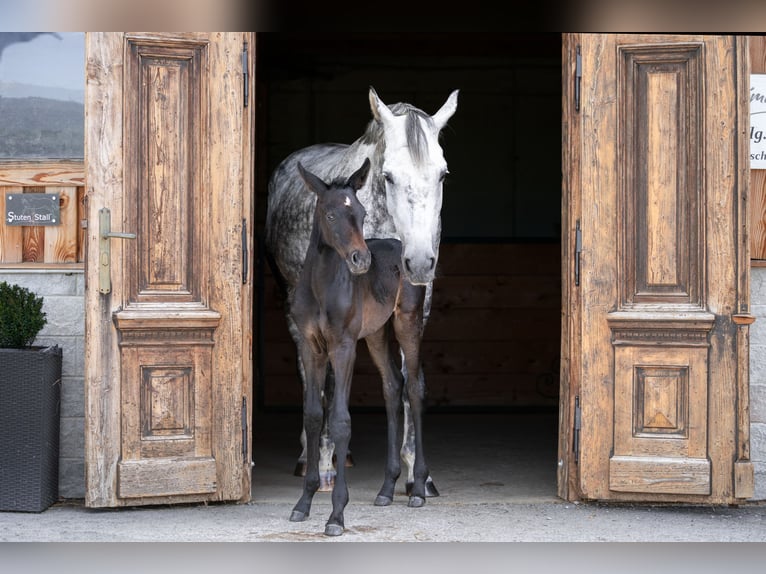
<point x="105" y="233"/>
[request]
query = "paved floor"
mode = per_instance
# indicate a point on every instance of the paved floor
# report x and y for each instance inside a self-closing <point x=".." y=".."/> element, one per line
<point x="499" y="487"/>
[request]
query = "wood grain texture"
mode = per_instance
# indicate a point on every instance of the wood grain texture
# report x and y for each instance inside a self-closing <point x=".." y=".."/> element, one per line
<point x="631" y="369"/>
<point x="165" y="374"/>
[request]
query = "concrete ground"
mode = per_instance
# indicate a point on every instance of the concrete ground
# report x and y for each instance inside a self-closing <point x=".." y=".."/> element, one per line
<point x="498" y="486"/>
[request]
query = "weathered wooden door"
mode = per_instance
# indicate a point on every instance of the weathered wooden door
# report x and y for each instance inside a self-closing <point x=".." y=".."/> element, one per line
<point x="656" y="272"/>
<point x="168" y="309"/>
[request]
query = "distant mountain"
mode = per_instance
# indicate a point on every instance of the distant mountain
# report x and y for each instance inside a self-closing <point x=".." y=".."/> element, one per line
<point x="35" y="127"/>
<point x="15" y="90"/>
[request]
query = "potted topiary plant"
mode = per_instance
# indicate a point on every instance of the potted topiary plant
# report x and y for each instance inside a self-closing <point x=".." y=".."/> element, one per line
<point x="30" y="390"/>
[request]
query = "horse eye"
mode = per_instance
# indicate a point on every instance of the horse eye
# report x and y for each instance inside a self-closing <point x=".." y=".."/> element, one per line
<point x="388" y="177"/>
<point x="443" y="175"/>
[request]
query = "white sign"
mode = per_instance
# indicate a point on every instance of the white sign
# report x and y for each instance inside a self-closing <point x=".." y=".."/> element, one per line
<point x="757" y="121"/>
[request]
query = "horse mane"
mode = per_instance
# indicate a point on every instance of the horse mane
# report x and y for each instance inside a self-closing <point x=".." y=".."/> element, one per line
<point x="416" y="138"/>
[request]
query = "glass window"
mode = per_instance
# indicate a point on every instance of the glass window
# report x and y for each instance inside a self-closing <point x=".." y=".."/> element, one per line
<point x="42" y="91"/>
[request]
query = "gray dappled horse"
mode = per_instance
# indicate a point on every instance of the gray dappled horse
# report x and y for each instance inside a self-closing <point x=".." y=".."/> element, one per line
<point x="351" y="289"/>
<point x="402" y="197"/>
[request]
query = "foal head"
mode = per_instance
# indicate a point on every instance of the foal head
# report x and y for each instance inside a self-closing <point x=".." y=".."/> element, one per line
<point x="339" y="216"/>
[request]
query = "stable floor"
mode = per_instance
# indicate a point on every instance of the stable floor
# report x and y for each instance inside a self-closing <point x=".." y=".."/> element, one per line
<point x="477" y="458"/>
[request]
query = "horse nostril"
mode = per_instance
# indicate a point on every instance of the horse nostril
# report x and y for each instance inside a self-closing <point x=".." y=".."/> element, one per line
<point x="433" y="262"/>
<point x="407" y="265"/>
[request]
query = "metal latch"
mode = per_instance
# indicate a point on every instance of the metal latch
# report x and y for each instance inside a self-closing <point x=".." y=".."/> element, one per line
<point x="104" y="251"/>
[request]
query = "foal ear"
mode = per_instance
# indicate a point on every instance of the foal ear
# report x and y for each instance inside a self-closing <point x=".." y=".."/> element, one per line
<point x="445" y="112"/>
<point x="357" y="179"/>
<point x="313" y="182"/>
<point x="380" y="110"/>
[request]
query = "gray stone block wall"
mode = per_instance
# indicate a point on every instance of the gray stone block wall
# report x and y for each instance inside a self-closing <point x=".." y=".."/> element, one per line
<point x="63" y="295"/>
<point x="758" y="379"/>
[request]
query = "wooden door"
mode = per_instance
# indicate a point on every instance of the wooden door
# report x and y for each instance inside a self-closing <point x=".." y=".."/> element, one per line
<point x="168" y="313"/>
<point x="656" y="269"/>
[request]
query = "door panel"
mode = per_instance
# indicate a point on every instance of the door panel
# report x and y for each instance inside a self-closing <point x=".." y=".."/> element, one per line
<point x="167" y="359"/>
<point x="657" y="192"/>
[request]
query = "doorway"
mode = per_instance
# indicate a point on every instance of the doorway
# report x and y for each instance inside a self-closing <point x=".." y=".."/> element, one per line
<point x="492" y="344"/>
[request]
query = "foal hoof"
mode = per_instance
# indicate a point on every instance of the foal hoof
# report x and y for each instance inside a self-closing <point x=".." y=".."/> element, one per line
<point x="333" y="530"/>
<point x="381" y="500"/>
<point x="416" y="501"/>
<point x="298" y="516"/>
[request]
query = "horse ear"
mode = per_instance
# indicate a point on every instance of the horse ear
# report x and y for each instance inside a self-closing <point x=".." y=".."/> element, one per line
<point x="357" y="179"/>
<point x="445" y="112"/>
<point x="313" y="182"/>
<point x="380" y="110"/>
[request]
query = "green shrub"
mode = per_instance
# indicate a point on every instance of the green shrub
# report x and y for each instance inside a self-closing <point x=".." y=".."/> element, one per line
<point x="21" y="316"/>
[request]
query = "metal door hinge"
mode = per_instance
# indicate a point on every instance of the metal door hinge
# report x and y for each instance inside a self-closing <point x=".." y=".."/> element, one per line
<point x="577" y="427"/>
<point x="244" y="430"/>
<point x="245" y="254"/>
<point x="578" y="79"/>
<point x="245" y="74"/>
<point x="578" y="250"/>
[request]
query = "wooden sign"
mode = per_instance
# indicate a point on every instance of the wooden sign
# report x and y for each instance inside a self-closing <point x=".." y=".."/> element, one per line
<point x="757" y="121"/>
<point x="32" y="209"/>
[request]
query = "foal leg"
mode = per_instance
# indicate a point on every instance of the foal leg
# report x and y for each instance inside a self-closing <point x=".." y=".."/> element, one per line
<point x="342" y="359"/>
<point x="312" y="424"/>
<point x="380" y="352"/>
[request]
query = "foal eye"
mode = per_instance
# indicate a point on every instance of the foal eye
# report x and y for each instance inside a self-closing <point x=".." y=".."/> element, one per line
<point x="330" y="216"/>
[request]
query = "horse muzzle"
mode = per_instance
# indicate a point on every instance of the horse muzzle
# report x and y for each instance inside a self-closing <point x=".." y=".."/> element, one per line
<point x="359" y="261"/>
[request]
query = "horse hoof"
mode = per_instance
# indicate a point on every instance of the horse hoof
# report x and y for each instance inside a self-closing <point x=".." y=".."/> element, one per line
<point x="298" y="516"/>
<point x="381" y="500"/>
<point x="349" y="461"/>
<point x="300" y="469"/>
<point x="416" y="501"/>
<point x="431" y="488"/>
<point x="333" y="530"/>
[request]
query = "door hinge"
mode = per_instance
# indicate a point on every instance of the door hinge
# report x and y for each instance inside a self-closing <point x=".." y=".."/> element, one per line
<point x="245" y="74"/>
<point x="577" y="427"/>
<point x="578" y="79"/>
<point x="245" y="254"/>
<point x="578" y="250"/>
<point x="244" y="430"/>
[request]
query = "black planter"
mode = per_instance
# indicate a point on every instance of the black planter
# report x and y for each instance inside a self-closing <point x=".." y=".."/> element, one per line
<point x="30" y="391"/>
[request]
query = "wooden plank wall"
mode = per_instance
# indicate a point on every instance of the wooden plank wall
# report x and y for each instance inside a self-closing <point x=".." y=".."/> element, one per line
<point x="758" y="176"/>
<point x="45" y="245"/>
<point x="493" y="339"/>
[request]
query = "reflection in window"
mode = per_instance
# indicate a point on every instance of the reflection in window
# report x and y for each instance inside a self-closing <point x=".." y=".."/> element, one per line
<point x="42" y="88"/>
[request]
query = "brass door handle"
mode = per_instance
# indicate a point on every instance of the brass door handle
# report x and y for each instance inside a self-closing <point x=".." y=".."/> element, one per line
<point x="104" y="250"/>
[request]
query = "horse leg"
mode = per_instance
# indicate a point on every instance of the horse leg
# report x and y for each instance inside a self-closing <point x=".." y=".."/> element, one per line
<point x="378" y="345"/>
<point x="407" y="452"/>
<point x="408" y="444"/>
<point x="408" y="326"/>
<point x="312" y="423"/>
<point x="342" y="359"/>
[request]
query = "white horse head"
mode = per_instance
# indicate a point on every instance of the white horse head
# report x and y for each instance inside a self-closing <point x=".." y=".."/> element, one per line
<point x="414" y="169"/>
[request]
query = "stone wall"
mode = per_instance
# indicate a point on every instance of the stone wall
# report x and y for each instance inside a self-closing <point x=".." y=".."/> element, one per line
<point x="63" y="302"/>
<point x="758" y="380"/>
